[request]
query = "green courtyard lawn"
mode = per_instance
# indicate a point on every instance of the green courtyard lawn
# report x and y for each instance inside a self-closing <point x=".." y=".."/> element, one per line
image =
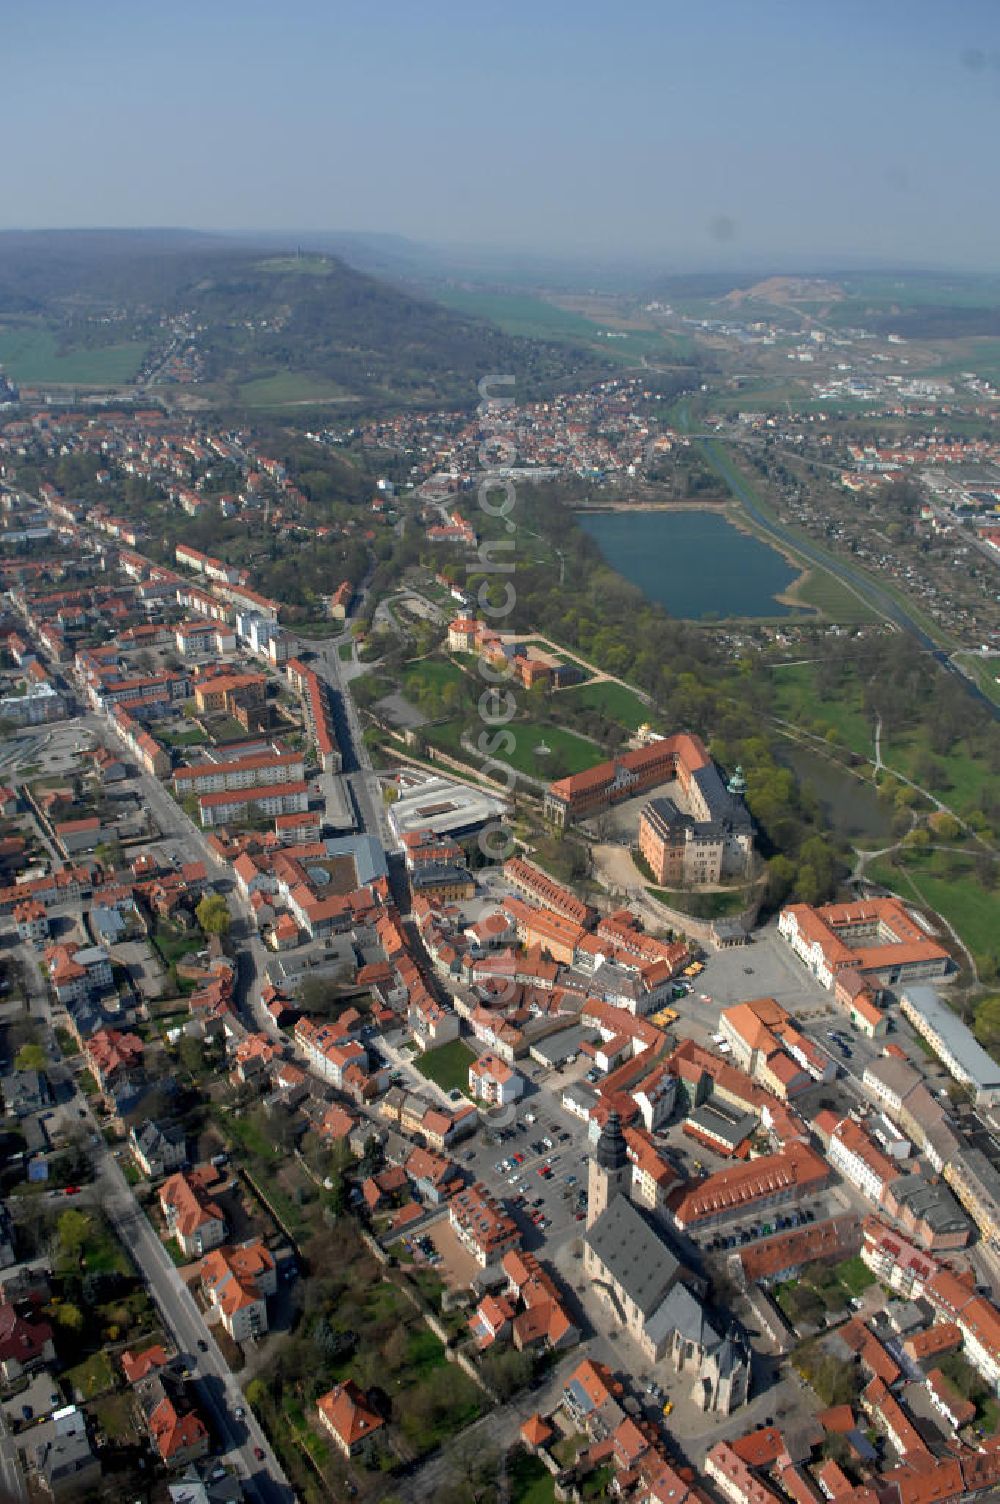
<point x="448" y="1065"/>
<point x="611" y="700"/>
<point x="193" y="736"/>
<point x="115" y="1415"/>
<point x="854" y="1274"/>
<point x="174" y="943"/>
<point x="66" y="1041"/>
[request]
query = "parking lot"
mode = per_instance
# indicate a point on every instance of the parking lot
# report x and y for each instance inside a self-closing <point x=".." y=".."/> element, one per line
<point x="539" y="1168"/>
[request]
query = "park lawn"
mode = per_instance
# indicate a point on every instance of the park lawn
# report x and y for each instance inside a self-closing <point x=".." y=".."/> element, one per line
<point x="831" y="597"/>
<point x="797" y="699"/>
<point x="963" y="780"/>
<point x="529" y="1480"/>
<point x="982" y="673"/>
<point x="287" y="387"/>
<point x="33" y="355"/>
<point x="345" y="652"/>
<point x="93" y="1376"/>
<point x="429" y="673"/>
<point x="448" y="1065"/>
<point x="612" y="700"/>
<point x="973" y="910"/>
<point x="568" y="753"/>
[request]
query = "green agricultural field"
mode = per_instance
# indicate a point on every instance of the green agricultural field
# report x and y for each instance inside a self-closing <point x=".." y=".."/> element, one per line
<point x="34" y="355"/>
<point x="534" y="318"/>
<point x="518" y="313"/>
<point x="448" y="1066"/>
<point x="288" y="388"/>
<point x="613" y="700"/>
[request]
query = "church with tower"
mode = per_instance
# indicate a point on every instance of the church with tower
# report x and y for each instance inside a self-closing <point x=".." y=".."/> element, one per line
<point x="636" y="1272"/>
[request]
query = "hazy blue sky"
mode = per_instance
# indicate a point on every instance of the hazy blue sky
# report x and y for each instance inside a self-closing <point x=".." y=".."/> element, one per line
<point x="699" y="131"/>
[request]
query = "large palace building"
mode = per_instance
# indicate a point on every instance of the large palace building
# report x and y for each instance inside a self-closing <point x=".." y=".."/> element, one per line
<point x="711" y="838"/>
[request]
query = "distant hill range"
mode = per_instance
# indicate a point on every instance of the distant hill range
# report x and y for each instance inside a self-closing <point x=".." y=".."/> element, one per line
<point x="267" y="311"/>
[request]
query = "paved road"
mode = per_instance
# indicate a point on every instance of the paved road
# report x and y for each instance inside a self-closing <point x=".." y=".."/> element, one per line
<point x="217" y="1390"/>
<point x="358" y="773"/>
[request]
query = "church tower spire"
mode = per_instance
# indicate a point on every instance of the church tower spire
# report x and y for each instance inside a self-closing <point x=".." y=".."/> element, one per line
<point x="609" y="1171"/>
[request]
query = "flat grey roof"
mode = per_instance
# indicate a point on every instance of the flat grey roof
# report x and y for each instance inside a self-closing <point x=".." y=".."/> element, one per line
<point x="429" y="802"/>
<point x="369" y="858"/>
<point x="558" y="1047"/>
<point x="981" y="1069"/>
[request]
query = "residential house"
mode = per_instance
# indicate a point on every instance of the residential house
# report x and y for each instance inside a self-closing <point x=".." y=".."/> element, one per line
<point x="192" y="1216"/>
<point x="237" y="1282"/>
<point x="25" y="1343"/>
<point x="176" y="1429"/>
<point x="158" y="1147"/>
<point x="347" y="1416"/>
